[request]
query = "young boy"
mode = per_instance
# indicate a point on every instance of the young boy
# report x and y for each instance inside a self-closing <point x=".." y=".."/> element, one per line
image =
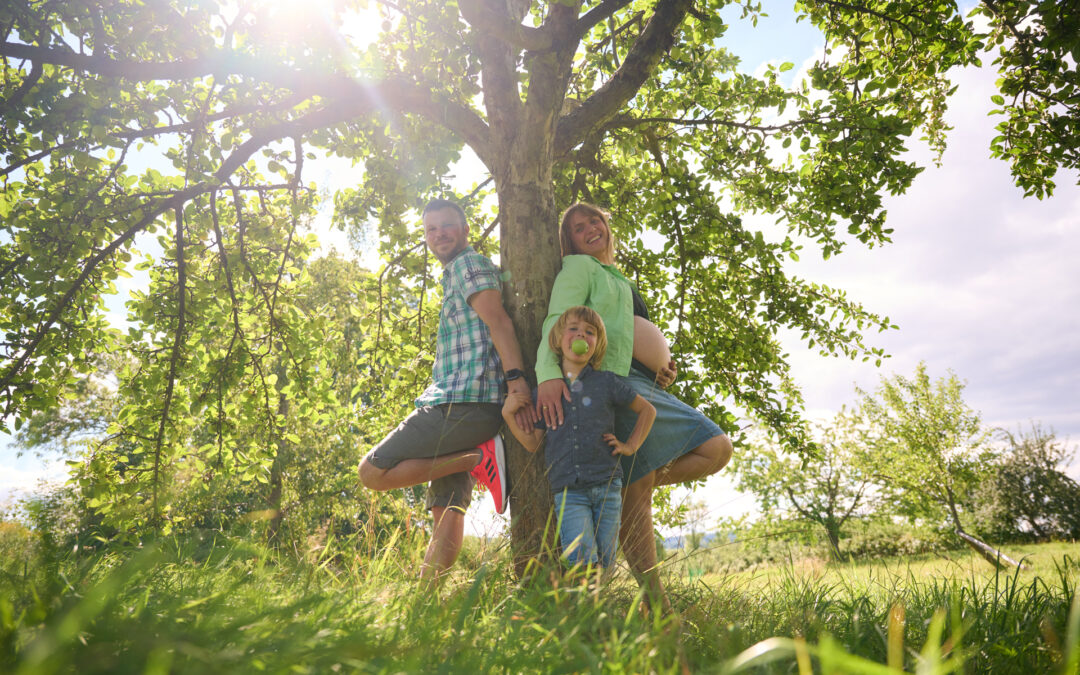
<point x="582" y="454"/>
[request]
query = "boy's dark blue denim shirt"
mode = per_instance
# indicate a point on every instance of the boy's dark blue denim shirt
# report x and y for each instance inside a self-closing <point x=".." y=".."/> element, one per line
<point x="576" y="454"/>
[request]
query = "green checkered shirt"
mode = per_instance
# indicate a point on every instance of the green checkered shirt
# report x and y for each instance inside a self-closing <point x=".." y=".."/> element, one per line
<point x="467" y="367"/>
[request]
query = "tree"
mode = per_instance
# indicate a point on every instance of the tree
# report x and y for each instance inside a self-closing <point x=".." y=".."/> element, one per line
<point x="826" y="489"/>
<point x="630" y="103"/>
<point x="1027" y="492"/>
<point x="931" y="450"/>
<point x="1038" y="56"/>
<point x="82" y="416"/>
<point x="697" y="512"/>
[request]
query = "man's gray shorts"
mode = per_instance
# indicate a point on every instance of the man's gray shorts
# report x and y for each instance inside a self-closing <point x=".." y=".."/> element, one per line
<point x="432" y="431"/>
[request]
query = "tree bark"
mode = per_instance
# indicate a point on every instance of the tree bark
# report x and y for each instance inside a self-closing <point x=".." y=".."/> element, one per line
<point x="521" y="161"/>
<point x="992" y="555"/>
<point x="832" y="530"/>
<point x="530" y="254"/>
<point x="277" y="470"/>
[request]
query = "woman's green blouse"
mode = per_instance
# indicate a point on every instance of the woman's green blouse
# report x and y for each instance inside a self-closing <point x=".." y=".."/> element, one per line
<point x="584" y="280"/>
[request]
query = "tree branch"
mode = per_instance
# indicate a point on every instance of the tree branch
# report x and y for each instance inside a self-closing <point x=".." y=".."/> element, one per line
<point x="492" y="20"/>
<point x="639" y="66"/>
<point x="397" y="94"/>
<point x="866" y="10"/>
<point x="192" y="125"/>
<point x="328" y="115"/>
<point x="604" y="10"/>
<point x="11" y="168"/>
<point x="855" y="503"/>
<point x="798" y="507"/>
<point x="456" y="117"/>
<point x="614" y="32"/>
<point x="16" y="98"/>
<point x="629" y="122"/>
<point x="174" y="358"/>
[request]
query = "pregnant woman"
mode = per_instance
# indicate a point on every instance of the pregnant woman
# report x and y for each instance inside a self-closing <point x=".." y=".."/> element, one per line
<point x="684" y="444"/>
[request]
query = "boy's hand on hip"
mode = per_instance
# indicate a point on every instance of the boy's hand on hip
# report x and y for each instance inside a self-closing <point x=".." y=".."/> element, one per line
<point x="620" y="448"/>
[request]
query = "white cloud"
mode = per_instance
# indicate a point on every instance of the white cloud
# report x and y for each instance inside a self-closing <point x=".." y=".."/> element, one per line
<point x="979" y="279"/>
<point x="21" y="477"/>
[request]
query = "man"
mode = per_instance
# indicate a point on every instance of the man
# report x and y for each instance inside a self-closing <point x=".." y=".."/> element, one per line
<point x="452" y="436"/>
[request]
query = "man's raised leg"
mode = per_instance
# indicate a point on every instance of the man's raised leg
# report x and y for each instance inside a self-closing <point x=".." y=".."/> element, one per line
<point x="411" y="472"/>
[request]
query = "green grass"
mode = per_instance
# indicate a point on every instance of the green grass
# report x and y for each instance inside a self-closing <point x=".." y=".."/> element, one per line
<point x="213" y="603"/>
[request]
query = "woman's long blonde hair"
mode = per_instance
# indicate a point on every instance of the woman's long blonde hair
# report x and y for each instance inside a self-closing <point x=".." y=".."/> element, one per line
<point x="592" y="210"/>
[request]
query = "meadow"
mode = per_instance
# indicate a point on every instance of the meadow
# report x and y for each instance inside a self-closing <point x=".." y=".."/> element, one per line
<point x="216" y="602"/>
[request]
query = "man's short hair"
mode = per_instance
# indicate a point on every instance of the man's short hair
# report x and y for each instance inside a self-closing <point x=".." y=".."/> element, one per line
<point x="440" y="204"/>
<point x="588" y="315"/>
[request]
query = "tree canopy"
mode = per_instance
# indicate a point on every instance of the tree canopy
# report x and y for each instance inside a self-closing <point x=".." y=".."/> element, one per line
<point x="195" y="122"/>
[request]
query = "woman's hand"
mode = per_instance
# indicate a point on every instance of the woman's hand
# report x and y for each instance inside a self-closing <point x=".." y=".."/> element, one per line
<point x="549" y="398"/>
<point x="665" y="377"/>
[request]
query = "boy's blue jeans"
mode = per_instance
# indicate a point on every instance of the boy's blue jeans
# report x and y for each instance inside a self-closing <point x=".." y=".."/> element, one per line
<point x="589" y="522"/>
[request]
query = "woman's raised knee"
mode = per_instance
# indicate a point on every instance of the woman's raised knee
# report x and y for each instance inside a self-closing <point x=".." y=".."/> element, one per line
<point x="725" y="452"/>
<point x="718" y="451"/>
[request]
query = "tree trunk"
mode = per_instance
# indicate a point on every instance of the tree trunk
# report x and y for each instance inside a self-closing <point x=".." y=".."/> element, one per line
<point x="281" y="458"/>
<point x="992" y="555"/>
<point x="832" y="530"/>
<point x="530" y="256"/>
<point x="520" y="154"/>
<point x="950" y="502"/>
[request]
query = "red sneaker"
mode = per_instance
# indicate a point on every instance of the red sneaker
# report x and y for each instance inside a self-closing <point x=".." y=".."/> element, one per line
<point x="491" y="471"/>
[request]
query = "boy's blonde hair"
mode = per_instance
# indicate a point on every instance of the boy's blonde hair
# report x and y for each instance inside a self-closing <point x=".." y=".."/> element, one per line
<point x="567" y="243"/>
<point x="581" y="313"/>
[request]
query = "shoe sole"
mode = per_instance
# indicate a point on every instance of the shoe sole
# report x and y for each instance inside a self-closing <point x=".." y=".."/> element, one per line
<point x="500" y="462"/>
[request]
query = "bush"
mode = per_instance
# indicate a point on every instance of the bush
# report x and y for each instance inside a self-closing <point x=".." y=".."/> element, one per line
<point x="876" y="538"/>
<point x="1027" y="496"/>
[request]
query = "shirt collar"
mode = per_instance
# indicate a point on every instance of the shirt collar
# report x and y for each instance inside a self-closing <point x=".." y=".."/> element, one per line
<point x="584" y="372"/>
<point x="449" y="263"/>
<point x="460" y="253"/>
<point x="610" y="268"/>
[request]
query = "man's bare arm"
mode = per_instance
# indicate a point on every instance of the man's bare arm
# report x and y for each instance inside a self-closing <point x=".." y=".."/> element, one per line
<point x="488" y="305"/>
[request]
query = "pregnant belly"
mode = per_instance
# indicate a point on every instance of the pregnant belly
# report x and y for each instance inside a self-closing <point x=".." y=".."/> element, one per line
<point x="650" y="345"/>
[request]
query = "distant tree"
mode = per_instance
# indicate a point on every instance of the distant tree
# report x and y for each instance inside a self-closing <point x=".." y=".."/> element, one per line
<point x="697" y="512"/>
<point x="84" y="413"/>
<point x="931" y="450"/>
<point x="827" y="488"/>
<point x="1027" y="492"/>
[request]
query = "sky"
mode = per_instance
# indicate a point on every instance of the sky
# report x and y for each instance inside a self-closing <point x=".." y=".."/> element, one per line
<point x="981" y="281"/>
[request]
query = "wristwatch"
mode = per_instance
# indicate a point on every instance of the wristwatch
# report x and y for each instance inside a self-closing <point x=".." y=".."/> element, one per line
<point x="514" y="374"/>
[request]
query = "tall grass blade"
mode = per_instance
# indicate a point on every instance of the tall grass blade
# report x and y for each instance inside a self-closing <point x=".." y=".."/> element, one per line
<point x="1070" y="664"/>
<point x="761" y="654"/>
<point x="46" y="652"/>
